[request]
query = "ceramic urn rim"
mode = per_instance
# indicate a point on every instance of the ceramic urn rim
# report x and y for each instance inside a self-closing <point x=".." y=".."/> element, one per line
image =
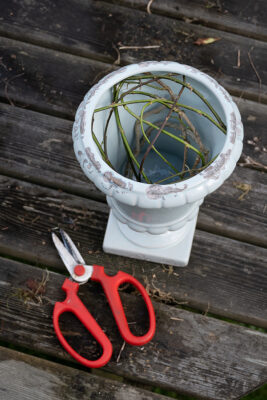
<point x="150" y="195"/>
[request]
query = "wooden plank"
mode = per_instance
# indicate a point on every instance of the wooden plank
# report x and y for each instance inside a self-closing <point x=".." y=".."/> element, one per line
<point x="38" y="148"/>
<point x="26" y="377"/>
<point x="227" y="15"/>
<point x="46" y="80"/>
<point x="94" y="33"/>
<point x="20" y="124"/>
<point x="192" y="353"/>
<point x="227" y="212"/>
<point x="254" y="118"/>
<point x="224" y="276"/>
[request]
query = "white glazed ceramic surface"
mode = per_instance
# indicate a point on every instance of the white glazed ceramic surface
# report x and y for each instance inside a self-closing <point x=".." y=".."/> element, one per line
<point x="156" y="196"/>
<point x="135" y="205"/>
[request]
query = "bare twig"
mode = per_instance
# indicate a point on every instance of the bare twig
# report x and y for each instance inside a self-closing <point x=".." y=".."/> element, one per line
<point x="177" y="319"/>
<point x="118" y="60"/>
<point x="136" y="87"/>
<point x="7" y="82"/>
<point x="155" y="139"/>
<point x="256" y="72"/>
<point x="191" y="172"/>
<point x="193" y="129"/>
<point x="156" y="46"/>
<point x="121" y="350"/>
<point x="183" y="115"/>
<point x="35" y="291"/>
<point x="42" y="286"/>
<point x="148" y="8"/>
<point x="238" y="60"/>
<point x="247" y="161"/>
<point x="160" y="130"/>
<point x="167" y="88"/>
<point x="139" y="143"/>
<point x="144" y="143"/>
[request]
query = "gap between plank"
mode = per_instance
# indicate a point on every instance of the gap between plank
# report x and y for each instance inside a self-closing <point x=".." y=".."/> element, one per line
<point x="252" y="329"/>
<point x="201" y="22"/>
<point x="102" y="199"/>
<point x="100" y="373"/>
<point x="50" y="45"/>
<point x="94" y="56"/>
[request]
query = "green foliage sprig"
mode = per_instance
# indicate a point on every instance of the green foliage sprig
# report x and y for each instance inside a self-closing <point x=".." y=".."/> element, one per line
<point x="154" y="103"/>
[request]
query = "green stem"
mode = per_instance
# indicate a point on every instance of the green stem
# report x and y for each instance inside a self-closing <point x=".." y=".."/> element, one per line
<point x="172" y="105"/>
<point x="153" y="147"/>
<point x="145" y="84"/>
<point x="123" y="103"/>
<point x="114" y="105"/>
<point x="104" y="156"/>
<point x="188" y="86"/>
<point x="128" y="149"/>
<point x="188" y="170"/>
<point x="166" y="132"/>
<point x="196" y="110"/>
<point x="106" y="130"/>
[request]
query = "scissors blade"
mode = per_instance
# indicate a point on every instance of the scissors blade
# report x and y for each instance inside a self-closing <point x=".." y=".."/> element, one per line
<point x="71" y="247"/>
<point x="66" y="257"/>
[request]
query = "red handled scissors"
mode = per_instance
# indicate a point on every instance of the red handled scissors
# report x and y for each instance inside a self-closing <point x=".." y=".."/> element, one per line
<point x="80" y="273"/>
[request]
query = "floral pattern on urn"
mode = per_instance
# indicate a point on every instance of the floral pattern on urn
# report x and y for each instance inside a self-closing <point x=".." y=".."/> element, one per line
<point x="156" y="151"/>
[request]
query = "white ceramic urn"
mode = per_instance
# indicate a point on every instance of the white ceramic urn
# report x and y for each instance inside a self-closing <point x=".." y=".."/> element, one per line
<point x="151" y="221"/>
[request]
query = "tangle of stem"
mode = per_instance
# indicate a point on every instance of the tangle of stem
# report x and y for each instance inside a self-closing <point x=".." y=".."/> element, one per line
<point x="177" y="121"/>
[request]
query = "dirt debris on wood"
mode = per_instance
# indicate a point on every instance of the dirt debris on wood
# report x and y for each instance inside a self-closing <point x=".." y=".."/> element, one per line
<point x="245" y="187"/>
<point x="249" y="162"/>
<point x="34" y="292"/>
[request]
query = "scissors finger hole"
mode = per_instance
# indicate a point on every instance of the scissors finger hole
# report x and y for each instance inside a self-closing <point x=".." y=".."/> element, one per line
<point x="78" y="337"/>
<point x="135" y="309"/>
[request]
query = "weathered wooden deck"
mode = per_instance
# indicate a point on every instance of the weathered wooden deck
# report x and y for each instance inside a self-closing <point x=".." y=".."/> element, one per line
<point x="205" y="346"/>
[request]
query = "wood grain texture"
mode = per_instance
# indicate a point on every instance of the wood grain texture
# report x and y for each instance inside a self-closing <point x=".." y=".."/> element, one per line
<point x="38" y="148"/>
<point x="26" y="377"/>
<point x="226" y="212"/>
<point x="190" y="352"/>
<point x="254" y="118"/>
<point x="227" y="15"/>
<point x="32" y="125"/>
<point x="224" y="276"/>
<point x="46" y="80"/>
<point x="95" y="29"/>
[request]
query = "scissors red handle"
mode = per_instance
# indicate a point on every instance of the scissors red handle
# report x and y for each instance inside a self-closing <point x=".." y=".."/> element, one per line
<point x="111" y="285"/>
<point x="73" y="304"/>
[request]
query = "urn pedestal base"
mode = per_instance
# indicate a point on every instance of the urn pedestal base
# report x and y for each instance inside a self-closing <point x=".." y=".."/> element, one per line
<point x="156" y="222"/>
<point x="172" y="247"/>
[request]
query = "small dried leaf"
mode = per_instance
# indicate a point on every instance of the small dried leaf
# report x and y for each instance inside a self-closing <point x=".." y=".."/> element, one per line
<point x="35" y="286"/>
<point x="245" y="187"/>
<point x="204" y="41"/>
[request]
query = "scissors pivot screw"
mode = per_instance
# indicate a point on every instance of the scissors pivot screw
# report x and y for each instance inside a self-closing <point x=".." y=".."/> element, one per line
<point x="79" y="270"/>
<point x="80" y="273"/>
